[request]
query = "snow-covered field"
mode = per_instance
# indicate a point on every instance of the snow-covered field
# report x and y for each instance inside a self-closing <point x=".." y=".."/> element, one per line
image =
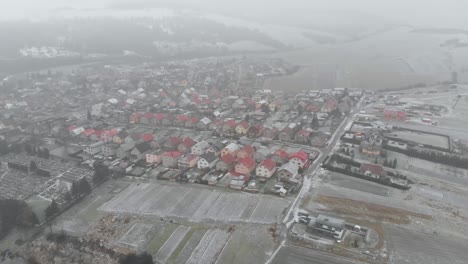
<point x="196" y="204"/>
<point x="136" y="236"/>
<point x="171" y="244"/>
<point x="209" y="247"/>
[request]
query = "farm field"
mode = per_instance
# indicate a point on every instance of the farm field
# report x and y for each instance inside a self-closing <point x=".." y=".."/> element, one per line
<point x="196" y="204"/>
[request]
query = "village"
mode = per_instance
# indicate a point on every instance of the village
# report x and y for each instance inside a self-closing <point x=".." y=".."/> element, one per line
<point x="166" y="158"/>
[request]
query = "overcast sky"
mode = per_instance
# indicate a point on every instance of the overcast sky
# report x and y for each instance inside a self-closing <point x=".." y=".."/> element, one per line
<point x="437" y="13"/>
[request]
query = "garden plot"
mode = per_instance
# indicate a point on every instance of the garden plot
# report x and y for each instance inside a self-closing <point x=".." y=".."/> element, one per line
<point x="209" y="247"/>
<point x="171" y="244"/>
<point x="137" y="236"/>
<point x="190" y="246"/>
<point x="423" y="138"/>
<point x="196" y="204"/>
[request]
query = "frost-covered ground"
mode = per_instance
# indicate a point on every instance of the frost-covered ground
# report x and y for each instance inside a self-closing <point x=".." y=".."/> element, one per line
<point x="136" y="236"/>
<point x="196" y="204"/>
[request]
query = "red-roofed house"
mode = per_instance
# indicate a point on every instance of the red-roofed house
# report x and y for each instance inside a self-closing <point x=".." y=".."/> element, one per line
<point x="87" y="133"/>
<point x="300" y="158"/>
<point x="270" y="133"/>
<point x="397" y="115"/>
<point x="158" y="118"/>
<point x="280" y="156"/>
<point x="242" y="128"/>
<point x="255" y="131"/>
<point x="245" y="165"/>
<point x="135" y="118"/>
<point x="172" y="143"/>
<point x="146" y="118"/>
<point x="266" y="169"/>
<point x="192" y="122"/>
<point x="302" y="136"/>
<point x="229" y="126"/>
<point x="373" y="170"/>
<point x="226" y="163"/>
<point x="96" y="136"/>
<point x="108" y="135"/>
<point x="170" y="159"/>
<point x="246" y="151"/>
<point x="186" y="145"/>
<point x="180" y="120"/>
<point x="148" y="137"/>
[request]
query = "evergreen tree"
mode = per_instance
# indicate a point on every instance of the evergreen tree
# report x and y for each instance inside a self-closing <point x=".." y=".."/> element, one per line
<point x="32" y="166"/>
<point x="52" y="209"/>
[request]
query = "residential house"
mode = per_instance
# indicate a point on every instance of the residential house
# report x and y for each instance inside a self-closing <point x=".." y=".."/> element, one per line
<point x="120" y="137"/>
<point x="229" y="126"/>
<point x="242" y="128"/>
<point x="124" y="150"/>
<point x="132" y="138"/>
<point x="204" y="123"/>
<point x="216" y="125"/>
<point x="371" y="170"/>
<point x="109" y="149"/>
<point x="255" y="131"/>
<point x="226" y="162"/>
<point x="154" y="157"/>
<point x="207" y="161"/>
<point x="87" y="133"/>
<point x="77" y="131"/>
<point x="332" y="227"/>
<point x="180" y="120"/>
<point x="192" y="122"/>
<point x="147" y="137"/>
<point x="140" y="150"/>
<point x="188" y="161"/>
<point x="232" y="149"/>
<point x="270" y="133"/>
<point x="172" y="143"/>
<point x="372" y="144"/>
<point x="168" y="121"/>
<point x="170" y="159"/>
<point x="261" y="153"/>
<point x="158" y="141"/>
<point x="200" y="148"/>
<point x="287" y="172"/>
<point x="94" y="148"/>
<point x="245" y="165"/>
<point x="246" y="151"/>
<point x="300" y="158"/>
<point x="108" y="135"/>
<point x="288" y="132"/>
<point x="158" y="118"/>
<point x="319" y="140"/>
<point x="135" y="118"/>
<point x="280" y="156"/>
<point x="186" y="145"/>
<point x="265" y="169"/>
<point x="303" y="136"/>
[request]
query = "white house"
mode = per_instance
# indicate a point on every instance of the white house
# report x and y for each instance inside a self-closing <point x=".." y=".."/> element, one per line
<point x="94" y="148"/>
<point x="207" y="161"/>
<point x="200" y="148"/>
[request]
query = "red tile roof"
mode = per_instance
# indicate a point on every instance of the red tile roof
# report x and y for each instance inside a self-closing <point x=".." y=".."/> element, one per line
<point x="373" y="168"/>
<point x="231" y="123"/>
<point x="148" y="137"/>
<point x="228" y="159"/>
<point x="172" y="154"/>
<point x="248" y="162"/>
<point x="194" y="120"/>
<point x="174" y="140"/>
<point x="148" y="115"/>
<point x="72" y="127"/>
<point x="182" y="118"/>
<point x="244" y="124"/>
<point x="269" y="164"/>
<point x="303" y="132"/>
<point x="248" y="149"/>
<point x="159" y="116"/>
<point x="300" y="155"/>
<point x="188" y="142"/>
<point x="281" y="153"/>
<point x="88" y="132"/>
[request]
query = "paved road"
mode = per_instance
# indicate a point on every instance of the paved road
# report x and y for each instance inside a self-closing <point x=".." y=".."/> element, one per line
<point x="299" y="255"/>
<point x="410" y="247"/>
